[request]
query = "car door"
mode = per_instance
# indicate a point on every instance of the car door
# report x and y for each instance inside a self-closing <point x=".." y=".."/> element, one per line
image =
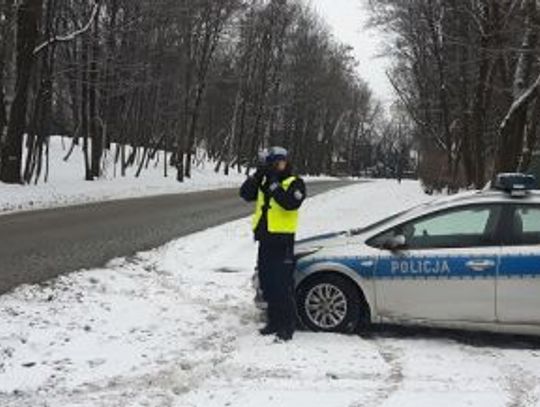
<point x="518" y="281"/>
<point x="447" y="269"/>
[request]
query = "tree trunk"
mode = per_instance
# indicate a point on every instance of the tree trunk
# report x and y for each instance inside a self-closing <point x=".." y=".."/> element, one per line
<point x="210" y="41"/>
<point x="531" y="139"/>
<point x="512" y="132"/>
<point x="84" y="109"/>
<point x="28" y="17"/>
<point x="95" y="131"/>
<point x="5" y="56"/>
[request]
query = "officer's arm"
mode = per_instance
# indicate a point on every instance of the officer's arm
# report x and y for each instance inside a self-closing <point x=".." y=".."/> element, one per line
<point x="292" y="198"/>
<point x="249" y="189"/>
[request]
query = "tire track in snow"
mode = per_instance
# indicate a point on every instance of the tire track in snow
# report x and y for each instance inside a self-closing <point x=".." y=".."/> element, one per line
<point x="521" y="386"/>
<point x="189" y="369"/>
<point x="164" y="382"/>
<point x="390" y="384"/>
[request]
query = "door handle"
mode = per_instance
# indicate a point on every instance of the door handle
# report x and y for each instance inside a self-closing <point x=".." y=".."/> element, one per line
<point x="480" y="265"/>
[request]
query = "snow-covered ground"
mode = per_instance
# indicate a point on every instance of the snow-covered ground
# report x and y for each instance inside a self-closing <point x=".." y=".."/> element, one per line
<point x="176" y="327"/>
<point x="66" y="185"/>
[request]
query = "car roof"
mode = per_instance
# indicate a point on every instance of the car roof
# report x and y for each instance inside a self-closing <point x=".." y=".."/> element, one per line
<point x="463" y="199"/>
<point x="488" y="195"/>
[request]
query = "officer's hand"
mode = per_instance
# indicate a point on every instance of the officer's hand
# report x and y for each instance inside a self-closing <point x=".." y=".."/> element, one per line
<point x="259" y="174"/>
<point x="273" y="181"/>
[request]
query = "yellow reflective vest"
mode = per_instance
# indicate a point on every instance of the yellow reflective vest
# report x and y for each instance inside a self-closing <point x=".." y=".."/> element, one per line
<point x="280" y="220"/>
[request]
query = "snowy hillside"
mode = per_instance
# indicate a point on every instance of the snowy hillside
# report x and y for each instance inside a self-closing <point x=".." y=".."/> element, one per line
<point x="66" y="184"/>
<point x="177" y="327"/>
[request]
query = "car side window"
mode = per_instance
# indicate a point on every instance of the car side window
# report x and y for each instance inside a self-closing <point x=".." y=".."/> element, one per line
<point x="472" y="226"/>
<point x="524" y="227"/>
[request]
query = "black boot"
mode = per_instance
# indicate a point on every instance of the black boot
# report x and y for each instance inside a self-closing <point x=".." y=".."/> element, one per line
<point x="268" y="330"/>
<point x="284" y="335"/>
<point x="271" y="320"/>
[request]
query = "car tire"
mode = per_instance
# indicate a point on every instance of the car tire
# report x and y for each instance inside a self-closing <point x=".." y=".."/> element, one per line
<point x="331" y="303"/>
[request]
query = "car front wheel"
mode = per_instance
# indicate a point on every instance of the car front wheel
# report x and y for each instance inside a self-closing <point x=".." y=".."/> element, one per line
<point x="330" y="303"/>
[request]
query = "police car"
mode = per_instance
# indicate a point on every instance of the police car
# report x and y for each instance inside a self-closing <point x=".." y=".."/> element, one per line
<point x="468" y="261"/>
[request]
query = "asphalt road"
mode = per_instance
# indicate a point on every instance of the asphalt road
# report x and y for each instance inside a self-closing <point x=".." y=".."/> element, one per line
<point x="39" y="245"/>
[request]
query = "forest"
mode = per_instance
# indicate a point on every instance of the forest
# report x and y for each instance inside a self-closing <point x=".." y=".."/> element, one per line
<point x="468" y="75"/>
<point x="140" y="78"/>
<point x="137" y="78"/>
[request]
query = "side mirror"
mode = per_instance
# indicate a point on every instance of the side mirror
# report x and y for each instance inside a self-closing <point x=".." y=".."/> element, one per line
<point x="395" y="243"/>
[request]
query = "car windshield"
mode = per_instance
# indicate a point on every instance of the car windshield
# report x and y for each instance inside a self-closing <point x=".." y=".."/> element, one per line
<point x="382" y="222"/>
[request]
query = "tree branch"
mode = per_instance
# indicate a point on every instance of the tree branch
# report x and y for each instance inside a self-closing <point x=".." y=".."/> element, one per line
<point x="408" y="106"/>
<point x="524" y="99"/>
<point x="71" y="36"/>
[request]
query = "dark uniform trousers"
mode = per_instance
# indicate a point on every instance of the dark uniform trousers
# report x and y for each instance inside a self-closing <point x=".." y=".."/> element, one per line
<point x="276" y="268"/>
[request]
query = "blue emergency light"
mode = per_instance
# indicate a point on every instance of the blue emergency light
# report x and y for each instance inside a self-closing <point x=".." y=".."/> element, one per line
<point x="516" y="184"/>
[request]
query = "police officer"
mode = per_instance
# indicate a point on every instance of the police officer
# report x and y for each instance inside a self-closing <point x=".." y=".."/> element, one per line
<point x="278" y="195"/>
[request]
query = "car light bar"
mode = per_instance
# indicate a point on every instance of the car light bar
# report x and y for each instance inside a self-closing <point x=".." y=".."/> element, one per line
<point x="516" y="184"/>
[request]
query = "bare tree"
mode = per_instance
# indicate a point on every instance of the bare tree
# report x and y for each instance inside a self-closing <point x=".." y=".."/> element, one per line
<point x="225" y="77"/>
<point x="28" y="17"/>
<point x="465" y="72"/>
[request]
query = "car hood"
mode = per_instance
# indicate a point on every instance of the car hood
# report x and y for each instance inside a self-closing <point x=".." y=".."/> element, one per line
<point x="319" y="241"/>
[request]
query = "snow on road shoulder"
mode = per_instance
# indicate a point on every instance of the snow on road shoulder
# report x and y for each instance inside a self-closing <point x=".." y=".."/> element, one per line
<point x="176" y="327"/>
<point x="66" y="185"/>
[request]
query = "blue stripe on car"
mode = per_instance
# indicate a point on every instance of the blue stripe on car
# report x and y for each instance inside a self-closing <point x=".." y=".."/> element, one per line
<point x="454" y="267"/>
<point x="353" y="263"/>
<point x="520" y="266"/>
<point x="445" y="267"/>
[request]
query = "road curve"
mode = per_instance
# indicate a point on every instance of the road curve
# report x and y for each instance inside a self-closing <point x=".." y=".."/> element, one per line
<point x="39" y="245"/>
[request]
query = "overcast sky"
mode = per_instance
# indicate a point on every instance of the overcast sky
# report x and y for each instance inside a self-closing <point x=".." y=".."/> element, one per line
<point x="347" y="18"/>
